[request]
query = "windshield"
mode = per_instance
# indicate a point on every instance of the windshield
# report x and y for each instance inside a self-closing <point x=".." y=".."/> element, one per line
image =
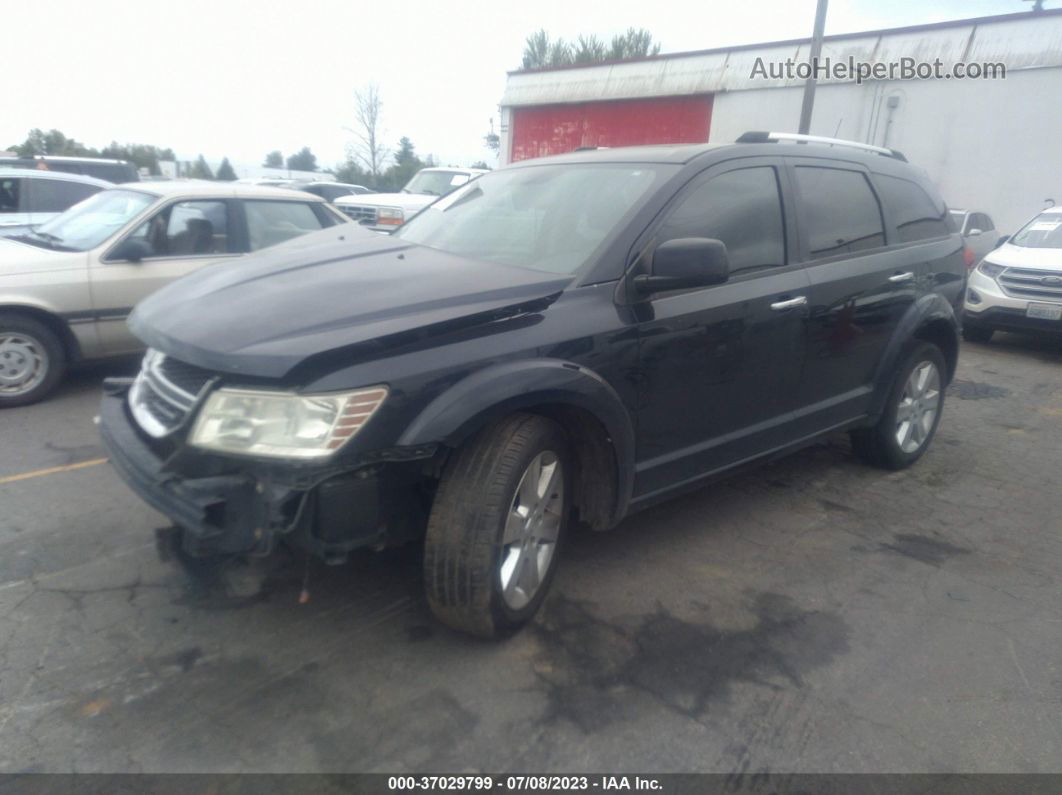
<point x="436" y="183"/>
<point x="1043" y="231"/>
<point x="550" y="218"/>
<point x="89" y="223"/>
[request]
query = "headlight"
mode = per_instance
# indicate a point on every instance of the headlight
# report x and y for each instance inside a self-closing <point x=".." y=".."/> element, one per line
<point x="390" y="216"/>
<point x="990" y="269"/>
<point x="283" y="424"/>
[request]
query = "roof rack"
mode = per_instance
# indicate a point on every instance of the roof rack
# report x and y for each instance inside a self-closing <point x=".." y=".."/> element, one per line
<point x="761" y="137"/>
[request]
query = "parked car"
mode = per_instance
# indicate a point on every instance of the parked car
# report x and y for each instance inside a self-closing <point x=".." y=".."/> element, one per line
<point x="113" y="171"/>
<point x="67" y="286"/>
<point x="1018" y="286"/>
<point x="574" y="337"/>
<point x="385" y="212"/>
<point x="330" y="191"/>
<point x="29" y="197"/>
<point x="977" y="230"/>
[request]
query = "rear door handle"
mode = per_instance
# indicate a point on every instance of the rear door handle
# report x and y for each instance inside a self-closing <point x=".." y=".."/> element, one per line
<point x="896" y="278"/>
<point x="790" y="303"/>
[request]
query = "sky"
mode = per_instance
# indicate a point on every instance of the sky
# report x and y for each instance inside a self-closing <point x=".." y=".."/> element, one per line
<point x="236" y="79"/>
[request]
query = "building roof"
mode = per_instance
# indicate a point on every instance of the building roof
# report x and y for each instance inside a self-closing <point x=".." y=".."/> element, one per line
<point x="1026" y="40"/>
<point x="206" y="188"/>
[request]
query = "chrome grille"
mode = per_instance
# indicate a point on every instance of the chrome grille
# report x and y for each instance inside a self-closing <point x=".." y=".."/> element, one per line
<point x="1042" y="285"/>
<point x="164" y="392"/>
<point x="360" y="213"/>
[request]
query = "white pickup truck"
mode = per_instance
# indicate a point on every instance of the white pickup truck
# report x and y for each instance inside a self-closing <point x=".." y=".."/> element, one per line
<point x="385" y="212"/>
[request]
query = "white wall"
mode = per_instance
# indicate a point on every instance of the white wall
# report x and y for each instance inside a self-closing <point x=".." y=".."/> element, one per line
<point x="989" y="145"/>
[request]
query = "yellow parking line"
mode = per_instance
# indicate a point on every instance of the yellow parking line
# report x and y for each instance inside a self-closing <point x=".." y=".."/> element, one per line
<point x="52" y="470"/>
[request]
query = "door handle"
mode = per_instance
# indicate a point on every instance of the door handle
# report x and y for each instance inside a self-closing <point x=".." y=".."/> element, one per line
<point x="790" y="303"/>
<point x="897" y="278"/>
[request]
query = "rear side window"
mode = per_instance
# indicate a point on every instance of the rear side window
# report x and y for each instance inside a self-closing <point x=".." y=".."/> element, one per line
<point x="742" y="208"/>
<point x="840" y="210"/>
<point x="917" y="216"/>
<point x="10" y="189"/>
<point x="272" y="222"/>
<point x="54" y="196"/>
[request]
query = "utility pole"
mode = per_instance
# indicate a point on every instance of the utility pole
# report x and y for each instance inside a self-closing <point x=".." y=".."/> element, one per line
<point x="809" y="86"/>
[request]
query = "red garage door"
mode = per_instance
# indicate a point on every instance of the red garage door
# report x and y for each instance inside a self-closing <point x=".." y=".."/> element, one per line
<point x="553" y="129"/>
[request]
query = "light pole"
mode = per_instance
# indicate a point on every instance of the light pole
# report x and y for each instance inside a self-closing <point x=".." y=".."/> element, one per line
<point x="809" y="85"/>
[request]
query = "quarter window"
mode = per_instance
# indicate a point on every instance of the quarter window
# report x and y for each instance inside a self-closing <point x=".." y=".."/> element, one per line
<point x="743" y="209"/>
<point x="187" y="229"/>
<point x="9" y="193"/>
<point x="272" y="222"/>
<point x="917" y="216"/>
<point x="54" y="196"/>
<point x="840" y="210"/>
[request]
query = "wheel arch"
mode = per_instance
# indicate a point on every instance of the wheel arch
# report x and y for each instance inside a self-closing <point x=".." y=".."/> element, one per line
<point x="52" y="321"/>
<point x="930" y="319"/>
<point x="583" y="403"/>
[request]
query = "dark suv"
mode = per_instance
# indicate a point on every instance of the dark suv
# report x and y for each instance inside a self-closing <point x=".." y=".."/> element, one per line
<point x="572" y="338"/>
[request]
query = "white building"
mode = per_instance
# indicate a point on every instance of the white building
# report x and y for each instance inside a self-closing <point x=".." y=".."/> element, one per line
<point x="990" y="144"/>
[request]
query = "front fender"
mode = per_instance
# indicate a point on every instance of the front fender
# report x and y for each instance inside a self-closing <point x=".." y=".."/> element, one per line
<point x="502" y="389"/>
<point x="931" y="309"/>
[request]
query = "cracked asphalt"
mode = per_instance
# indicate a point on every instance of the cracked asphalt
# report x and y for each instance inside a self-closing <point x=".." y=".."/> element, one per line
<point x="813" y="615"/>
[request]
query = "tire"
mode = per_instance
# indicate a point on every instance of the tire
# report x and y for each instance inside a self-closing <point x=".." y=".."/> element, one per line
<point x="482" y="558"/>
<point x="32" y="360"/>
<point x="972" y="332"/>
<point x="881" y="444"/>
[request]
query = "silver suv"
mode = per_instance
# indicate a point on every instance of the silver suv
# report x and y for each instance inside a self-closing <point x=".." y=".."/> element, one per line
<point x="1018" y="287"/>
<point x="67" y="286"/>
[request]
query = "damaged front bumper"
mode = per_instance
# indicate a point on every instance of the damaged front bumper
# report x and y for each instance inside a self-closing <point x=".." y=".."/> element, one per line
<point x="230" y="506"/>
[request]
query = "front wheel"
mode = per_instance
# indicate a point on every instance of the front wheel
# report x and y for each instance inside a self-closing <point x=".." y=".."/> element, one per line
<point x="912" y="413"/>
<point x="32" y="360"/>
<point x="499" y="515"/>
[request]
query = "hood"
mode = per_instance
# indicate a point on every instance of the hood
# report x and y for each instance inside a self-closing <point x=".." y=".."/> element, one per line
<point x="407" y="201"/>
<point x="275" y="310"/>
<point x="17" y="257"/>
<point x="1011" y="256"/>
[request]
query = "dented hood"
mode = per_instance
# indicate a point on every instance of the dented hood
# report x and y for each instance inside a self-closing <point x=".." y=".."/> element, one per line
<point x="266" y="314"/>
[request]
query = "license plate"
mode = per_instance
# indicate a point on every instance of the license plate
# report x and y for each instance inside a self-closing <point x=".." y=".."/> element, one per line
<point x="1044" y="311"/>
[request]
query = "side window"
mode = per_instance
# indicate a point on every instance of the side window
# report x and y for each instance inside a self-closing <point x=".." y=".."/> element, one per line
<point x="841" y="211"/>
<point x="272" y="222"/>
<point x="54" y="196"/>
<point x="917" y="216"/>
<point x="10" y="190"/>
<point x="188" y="228"/>
<point x="984" y="223"/>
<point x="742" y="208"/>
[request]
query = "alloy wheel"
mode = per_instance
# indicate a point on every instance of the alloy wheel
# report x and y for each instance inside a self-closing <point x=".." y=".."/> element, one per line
<point x="531" y="529"/>
<point x="918" y="408"/>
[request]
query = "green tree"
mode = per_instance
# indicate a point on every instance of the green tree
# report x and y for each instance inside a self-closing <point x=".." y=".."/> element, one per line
<point x="406" y="164"/>
<point x="53" y="142"/>
<point x="200" y="169"/>
<point x="274" y="159"/>
<point x="226" y="171"/>
<point x="303" y="160"/>
<point x="353" y="174"/>
<point x="542" y="51"/>
<point x="140" y="155"/>
<point x="480" y="164"/>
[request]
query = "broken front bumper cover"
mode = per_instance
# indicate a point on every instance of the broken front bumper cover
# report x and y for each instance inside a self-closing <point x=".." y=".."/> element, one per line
<point x="227" y="506"/>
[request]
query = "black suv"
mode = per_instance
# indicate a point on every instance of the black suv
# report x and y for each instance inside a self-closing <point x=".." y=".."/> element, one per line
<point x="572" y="338"/>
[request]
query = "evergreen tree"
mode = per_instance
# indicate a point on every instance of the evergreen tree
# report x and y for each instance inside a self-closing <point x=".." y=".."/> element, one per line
<point x="226" y="171"/>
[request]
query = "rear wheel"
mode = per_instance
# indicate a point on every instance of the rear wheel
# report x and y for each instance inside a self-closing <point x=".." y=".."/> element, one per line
<point x="972" y="332"/>
<point x="32" y="360"/>
<point x="912" y="413"/>
<point x="499" y="515"/>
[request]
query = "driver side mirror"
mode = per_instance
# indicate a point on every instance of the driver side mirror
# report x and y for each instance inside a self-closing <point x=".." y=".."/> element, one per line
<point x="973" y="233"/>
<point x="685" y="263"/>
<point x="132" y="250"/>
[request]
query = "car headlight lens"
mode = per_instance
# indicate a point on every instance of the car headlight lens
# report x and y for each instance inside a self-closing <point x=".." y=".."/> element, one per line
<point x="990" y="269"/>
<point x="283" y="424"/>
<point x="390" y="216"/>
